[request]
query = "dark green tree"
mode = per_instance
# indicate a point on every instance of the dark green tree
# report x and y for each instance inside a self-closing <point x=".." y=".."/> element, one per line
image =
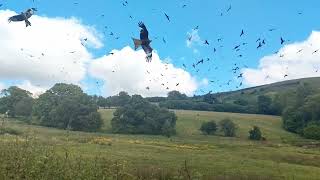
<point x="209" y="127"/>
<point x="228" y="128"/>
<point x="312" y="131"/>
<point x="264" y="104"/>
<point x="176" y="95"/>
<point x="24" y="107"/>
<point x="255" y="134"/>
<point x="139" y="116"/>
<point x="65" y="106"/>
<point x="10" y="98"/>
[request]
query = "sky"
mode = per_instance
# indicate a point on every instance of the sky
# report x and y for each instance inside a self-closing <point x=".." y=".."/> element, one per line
<point x="72" y="41"/>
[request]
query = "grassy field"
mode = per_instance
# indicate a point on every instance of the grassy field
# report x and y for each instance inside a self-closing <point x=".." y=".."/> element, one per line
<point x="282" y="156"/>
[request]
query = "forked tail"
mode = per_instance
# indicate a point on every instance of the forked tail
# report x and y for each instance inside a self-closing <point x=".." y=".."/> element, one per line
<point x="137" y="43"/>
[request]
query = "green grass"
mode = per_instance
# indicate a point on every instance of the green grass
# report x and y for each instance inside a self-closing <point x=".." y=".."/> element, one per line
<point x="211" y="156"/>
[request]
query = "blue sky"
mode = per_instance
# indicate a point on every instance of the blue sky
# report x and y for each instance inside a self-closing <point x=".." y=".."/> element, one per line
<point x="293" y="20"/>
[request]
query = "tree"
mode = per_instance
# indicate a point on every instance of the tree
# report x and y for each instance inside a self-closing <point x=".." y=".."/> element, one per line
<point x="255" y="134"/>
<point x="312" y="131"/>
<point x="228" y="128"/>
<point x="209" y="127"/>
<point x="264" y="104"/>
<point x="10" y="98"/>
<point x="65" y="106"/>
<point x="24" y="107"/>
<point x="176" y="95"/>
<point x="139" y="116"/>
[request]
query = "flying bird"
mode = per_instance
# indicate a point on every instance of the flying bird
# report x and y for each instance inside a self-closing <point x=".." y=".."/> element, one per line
<point x="206" y="42"/>
<point x="167" y="16"/>
<point x="242" y="33"/>
<point x="144" y="42"/>
<point x="24" y="16"/>
<point x="282" y="40"/>
<point x="259" y="46"/>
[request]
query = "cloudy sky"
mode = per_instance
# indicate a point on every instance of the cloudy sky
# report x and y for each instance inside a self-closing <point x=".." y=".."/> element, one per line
<point x="88" y="43"/>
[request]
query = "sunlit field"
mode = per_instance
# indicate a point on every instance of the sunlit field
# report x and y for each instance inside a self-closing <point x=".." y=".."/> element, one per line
<point x="40" y="152"/>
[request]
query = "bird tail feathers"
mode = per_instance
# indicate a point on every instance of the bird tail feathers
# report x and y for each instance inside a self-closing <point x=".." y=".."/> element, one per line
<point x="137" y="43"/>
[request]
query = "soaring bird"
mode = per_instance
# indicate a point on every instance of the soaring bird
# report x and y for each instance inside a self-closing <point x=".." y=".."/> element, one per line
<point x="144" y="42"/>
<point x="282" y="40"/>
<point x="242" y="33"/>
<point x="24" y="16"/>
<point x="168" y="18"/>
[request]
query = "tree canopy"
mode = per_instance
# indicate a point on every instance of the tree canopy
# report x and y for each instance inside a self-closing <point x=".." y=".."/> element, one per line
<point x="15" y="101"/>
<point x="138" y="116"/>
<point x="65" y="106"/>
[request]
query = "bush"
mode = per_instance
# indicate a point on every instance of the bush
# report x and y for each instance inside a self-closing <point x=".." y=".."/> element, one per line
<point x="255" y="134"/>
<point x="209" y="127"/>
<point x="312" y="131"/>
<point x="228" y="128"/>
<point x="139" y="116"/>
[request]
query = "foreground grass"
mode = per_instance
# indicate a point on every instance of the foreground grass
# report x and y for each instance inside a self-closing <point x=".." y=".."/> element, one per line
<point x="78" y="155"/>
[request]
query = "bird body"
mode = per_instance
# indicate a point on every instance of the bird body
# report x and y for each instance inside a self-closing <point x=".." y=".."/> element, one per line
<point x="24" y="16"/>
<point x="144" y="42"/>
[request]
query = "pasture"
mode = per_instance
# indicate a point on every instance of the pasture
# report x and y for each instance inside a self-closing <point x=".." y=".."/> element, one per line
<point x="196" y="156"/>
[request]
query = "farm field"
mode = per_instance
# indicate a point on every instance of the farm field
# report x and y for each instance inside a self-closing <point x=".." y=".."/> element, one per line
<point x="282" y="156"/>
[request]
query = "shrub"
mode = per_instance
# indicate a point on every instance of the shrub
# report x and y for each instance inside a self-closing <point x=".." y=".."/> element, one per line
<point x="255" y="134"/>
<point x="228" y="128"/>
<point x="209" y="127"/>
<point x="312" y="131"/>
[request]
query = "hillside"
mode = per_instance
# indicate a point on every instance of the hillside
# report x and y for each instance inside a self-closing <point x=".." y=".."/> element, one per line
<point x="273" y="97"/>
<point x="279" y="87"/>
<point x="282" y="156"/>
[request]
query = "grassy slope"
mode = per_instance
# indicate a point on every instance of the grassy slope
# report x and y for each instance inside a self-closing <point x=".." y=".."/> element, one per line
<point x="279" y="87"/>
<point x="205" y="154"/>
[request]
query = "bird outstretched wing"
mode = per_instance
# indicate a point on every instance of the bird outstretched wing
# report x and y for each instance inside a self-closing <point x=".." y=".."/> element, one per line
<point x="144" y="34"/>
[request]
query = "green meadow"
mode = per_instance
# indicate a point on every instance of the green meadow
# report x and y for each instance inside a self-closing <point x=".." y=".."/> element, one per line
<point x="48" y="153"/>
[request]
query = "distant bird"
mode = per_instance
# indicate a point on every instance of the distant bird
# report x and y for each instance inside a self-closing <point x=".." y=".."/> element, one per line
<point x="183" y="6"/>
<point x="177" y="84"/>
<point x="147" y="88"/>
<point x="242" y="33"/>
<point x="282" y="40"/>
<point x="300" y="51"/>
<point x="196" y="28"/>
<point x="264" y="41"/>
<point x="24" y="16"/>
<point x="315" y="51"/>
<point x="240" y="75"/>
<point x="229" y="8"/>
<point x="273" y="29"/>
<point x="219" y="39"/>
<point x="236" y="47"/>
<point x="286" y="75"/>
<point x="168" y="18"/>
<point x="259" y="46"/>
<point x="164" y="41"/>
<point x="184" y="65"/>
<point x="206" y="42"/>
<point x="214" y="50"/>
<point x="259" y="39"/>
<point x="144" y="41"/>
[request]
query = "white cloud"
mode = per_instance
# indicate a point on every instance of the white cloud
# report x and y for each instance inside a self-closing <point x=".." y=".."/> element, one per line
<point x="2" y="86"/>
<point x="297" y="60"/>
<point x="35" y="89"/>
<point x="194" y="39"/>
<point x="49" y="51"/>
<point x="127" y="70"/>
